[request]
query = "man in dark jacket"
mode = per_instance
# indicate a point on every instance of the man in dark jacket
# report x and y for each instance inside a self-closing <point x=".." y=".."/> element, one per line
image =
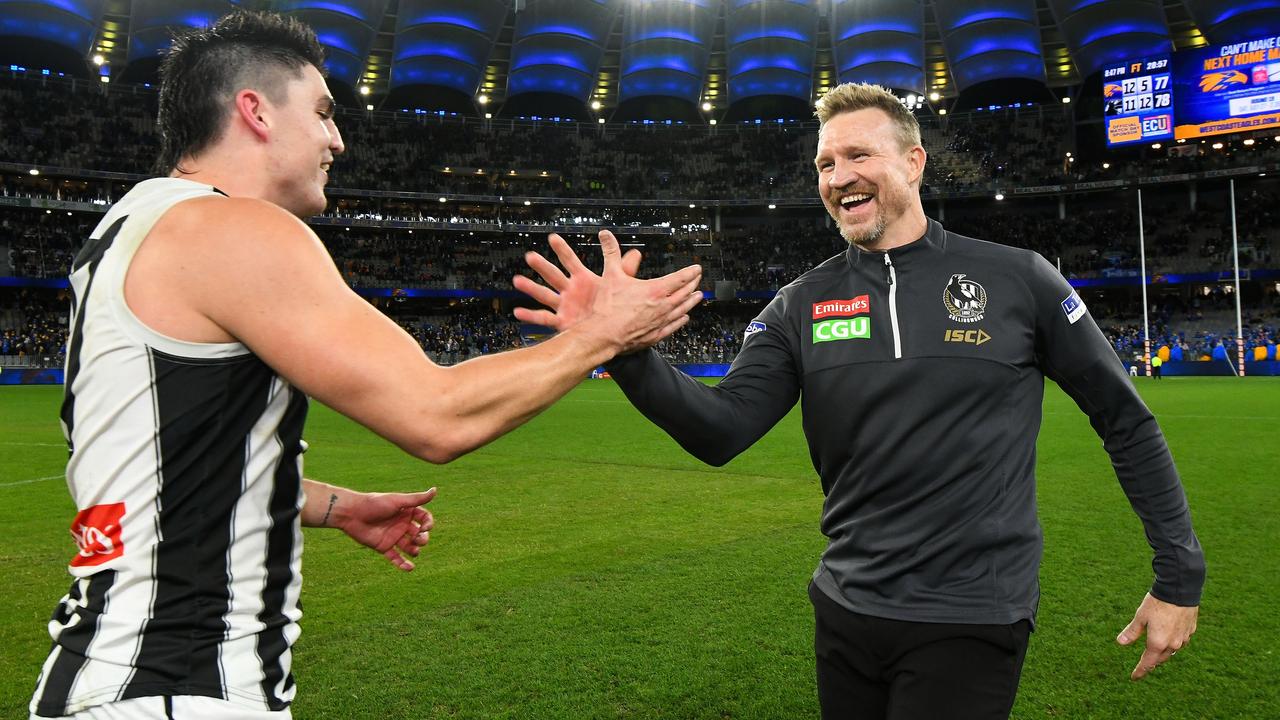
<point x="921" y="356"/>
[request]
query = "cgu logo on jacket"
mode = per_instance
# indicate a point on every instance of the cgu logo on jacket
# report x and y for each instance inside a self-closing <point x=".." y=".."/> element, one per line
<point x="842" y="319"/>
<point x="965" y="300"/>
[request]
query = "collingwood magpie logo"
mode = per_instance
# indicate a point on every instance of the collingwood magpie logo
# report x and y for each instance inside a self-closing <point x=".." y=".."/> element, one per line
<point x="965" y="300"/>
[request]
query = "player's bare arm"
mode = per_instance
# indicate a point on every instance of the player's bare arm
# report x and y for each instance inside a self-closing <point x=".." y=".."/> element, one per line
<point x="223" y="269"/>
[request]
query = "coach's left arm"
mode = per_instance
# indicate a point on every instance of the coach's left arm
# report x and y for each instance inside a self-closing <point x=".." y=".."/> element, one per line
<point x="1072" y="350"/>
<point x="393" y="524"/>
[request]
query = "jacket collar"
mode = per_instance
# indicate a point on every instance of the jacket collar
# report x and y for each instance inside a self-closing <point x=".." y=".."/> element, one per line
<point x="934" y="238"/>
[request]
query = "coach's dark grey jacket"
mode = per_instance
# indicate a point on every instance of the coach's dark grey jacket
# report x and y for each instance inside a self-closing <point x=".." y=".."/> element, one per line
<point x="922" y="377"/>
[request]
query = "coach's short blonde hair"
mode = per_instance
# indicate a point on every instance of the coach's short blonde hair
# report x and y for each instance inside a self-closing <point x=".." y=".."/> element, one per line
<point x="851" y="97"/>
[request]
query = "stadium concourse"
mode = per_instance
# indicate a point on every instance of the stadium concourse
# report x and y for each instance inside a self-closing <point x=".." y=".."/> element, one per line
<point x="430" y="216"/>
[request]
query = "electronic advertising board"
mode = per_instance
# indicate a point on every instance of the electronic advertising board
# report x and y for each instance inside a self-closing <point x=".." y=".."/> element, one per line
<point x="1138" y="101"/>
<point x="1227" y="88"/>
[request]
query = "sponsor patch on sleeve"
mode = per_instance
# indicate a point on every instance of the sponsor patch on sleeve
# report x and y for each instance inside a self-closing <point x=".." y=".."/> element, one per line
<point x="97" y="533"/>
<point x="754" y="327"/>
<point x="1073" y="307"/>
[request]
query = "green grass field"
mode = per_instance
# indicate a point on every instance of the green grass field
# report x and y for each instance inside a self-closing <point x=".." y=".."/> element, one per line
<point x="584" y="567"/>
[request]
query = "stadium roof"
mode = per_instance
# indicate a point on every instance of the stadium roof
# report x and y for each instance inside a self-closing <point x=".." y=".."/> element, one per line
<point x="626" y="55"/>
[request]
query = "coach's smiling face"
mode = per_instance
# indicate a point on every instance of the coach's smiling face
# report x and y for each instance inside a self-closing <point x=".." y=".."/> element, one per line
<point x="868" y="181"/>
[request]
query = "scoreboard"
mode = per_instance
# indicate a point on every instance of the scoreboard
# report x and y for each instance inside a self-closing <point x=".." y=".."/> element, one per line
<point x="1138" y="97"/>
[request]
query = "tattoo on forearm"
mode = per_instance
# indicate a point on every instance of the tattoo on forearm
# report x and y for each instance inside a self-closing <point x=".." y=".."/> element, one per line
<point x="333" y="500"/>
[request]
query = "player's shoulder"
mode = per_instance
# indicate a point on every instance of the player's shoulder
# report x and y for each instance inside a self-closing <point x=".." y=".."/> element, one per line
<point x="240" y="229"/>
<point x="232" y="217"/>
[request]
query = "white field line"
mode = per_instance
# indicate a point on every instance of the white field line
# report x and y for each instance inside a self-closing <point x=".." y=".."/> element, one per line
<point x="32" y="480"/>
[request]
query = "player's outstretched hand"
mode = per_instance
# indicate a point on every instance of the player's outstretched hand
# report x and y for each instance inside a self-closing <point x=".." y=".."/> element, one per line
<point x="393" y="524"/>
<point x="615" y="306"/>
<point x="1168" y="627"/>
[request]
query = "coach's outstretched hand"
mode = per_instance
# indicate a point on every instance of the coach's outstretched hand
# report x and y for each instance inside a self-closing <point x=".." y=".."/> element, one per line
<point x="614" y="306"/>
<point x="1168" y="627"/>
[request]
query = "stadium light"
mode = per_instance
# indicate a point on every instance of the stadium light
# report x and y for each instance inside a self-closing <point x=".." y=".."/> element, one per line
<point x="488" y="116"/>
<point x="105" y="79"/>
<point x="33" y="171"/>
<point x="706" y="107"/>
<point x="526" y="202"/>
<point x="1066" y="101"/>
<point x="935" y="96"/>
<point x="691" y="205"/>
<point x="1248" y="141"/>
<point x="482" y="99"/>
<point x="772" y="206"/>
<point x="444" y="199"/>
<point x="595" y="105"/>
<point x="1156" y="146"/>
<point x="713" y="122"/>
<point x="1106" y="166"/>
<point x="600" y="120"/>
<point x="943" y="111"/>
<point x="98" y="59"/>
<point x="364" y="90"/>
<point x="1071" y="160"/>
<point x="999" y="196"/>
<point x="369" y="108"/>
<point x="1217" y="146"/>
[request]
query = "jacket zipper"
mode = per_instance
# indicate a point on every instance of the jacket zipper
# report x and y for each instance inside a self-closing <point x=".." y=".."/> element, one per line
<point x="893" y="307"/>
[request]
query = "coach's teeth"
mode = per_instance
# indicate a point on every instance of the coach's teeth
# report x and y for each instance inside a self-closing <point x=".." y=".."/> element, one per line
<point x="325" y="166"/>
<point x="856" y="197"/>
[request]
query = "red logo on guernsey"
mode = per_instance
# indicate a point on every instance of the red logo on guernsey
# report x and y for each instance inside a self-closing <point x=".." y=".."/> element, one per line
<point x="842" y="308"/>
<point x="96" y="531"/>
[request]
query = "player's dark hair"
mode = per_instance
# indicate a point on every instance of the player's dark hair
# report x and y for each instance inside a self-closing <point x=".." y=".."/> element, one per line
<point x="206" y="67"/>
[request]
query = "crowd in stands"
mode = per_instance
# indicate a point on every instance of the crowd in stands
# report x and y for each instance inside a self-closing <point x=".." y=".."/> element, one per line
<point x="39" y="244"/>
<point x="33" y="326"/>
<point x="461" y="334"/>
<point x="94" y="126"/>
<point x="109" y="127"/>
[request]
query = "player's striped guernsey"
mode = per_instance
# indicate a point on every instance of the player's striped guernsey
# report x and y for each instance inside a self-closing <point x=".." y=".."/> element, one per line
<point x="186" y="471"/>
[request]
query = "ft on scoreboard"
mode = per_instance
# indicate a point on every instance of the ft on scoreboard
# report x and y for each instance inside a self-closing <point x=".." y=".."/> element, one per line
<point x="1139" y="101"/>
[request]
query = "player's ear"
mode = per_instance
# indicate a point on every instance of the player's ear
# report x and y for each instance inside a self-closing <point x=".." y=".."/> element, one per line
<point x="249" y="106"/>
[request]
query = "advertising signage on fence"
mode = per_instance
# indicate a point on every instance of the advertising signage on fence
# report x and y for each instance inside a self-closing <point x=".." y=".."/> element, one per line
<point x="1227" y="88"/>
<point x="1138" y="101"/>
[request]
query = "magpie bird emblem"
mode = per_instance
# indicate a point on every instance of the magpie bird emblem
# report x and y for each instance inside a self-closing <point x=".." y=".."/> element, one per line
<point x="965" y="299"/>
